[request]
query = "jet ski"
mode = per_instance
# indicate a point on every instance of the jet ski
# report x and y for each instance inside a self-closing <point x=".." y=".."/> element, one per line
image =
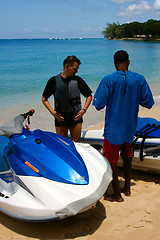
<point x="146" y="144"/>
<point x="44" y="176"/>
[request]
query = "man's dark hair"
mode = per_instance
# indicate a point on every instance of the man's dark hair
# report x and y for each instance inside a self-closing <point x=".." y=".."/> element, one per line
<point x="121" y="56"/>
<point x="70" y="60"/>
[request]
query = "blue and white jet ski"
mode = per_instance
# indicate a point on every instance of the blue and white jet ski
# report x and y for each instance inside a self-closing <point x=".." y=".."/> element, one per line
<point x="146" y="144"/>
<point x="44" y="176"/>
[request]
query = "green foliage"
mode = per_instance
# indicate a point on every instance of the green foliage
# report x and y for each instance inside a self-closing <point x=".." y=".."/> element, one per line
<point x="151" y="28"/>
<point x="110" y="30"/>
<point x="133" y="29"/>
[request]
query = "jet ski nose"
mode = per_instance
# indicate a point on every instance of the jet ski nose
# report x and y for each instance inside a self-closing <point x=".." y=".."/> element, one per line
<point x="51" y="156"/>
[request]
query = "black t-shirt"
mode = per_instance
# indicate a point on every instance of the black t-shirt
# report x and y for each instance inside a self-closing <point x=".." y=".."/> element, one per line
<point x="50" y="87"/>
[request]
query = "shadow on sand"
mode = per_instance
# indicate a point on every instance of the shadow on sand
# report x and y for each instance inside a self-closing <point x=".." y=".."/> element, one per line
<point x="77" y="226"/>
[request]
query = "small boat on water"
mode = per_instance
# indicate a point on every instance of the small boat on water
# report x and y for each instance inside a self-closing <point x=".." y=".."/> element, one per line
<point x="146" y="144"/>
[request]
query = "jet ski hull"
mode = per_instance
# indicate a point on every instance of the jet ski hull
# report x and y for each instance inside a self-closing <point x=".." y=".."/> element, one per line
<point x="47" y="195"/>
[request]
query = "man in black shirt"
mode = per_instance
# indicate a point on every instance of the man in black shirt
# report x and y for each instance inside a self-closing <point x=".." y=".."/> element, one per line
<point x="67" y="88"/>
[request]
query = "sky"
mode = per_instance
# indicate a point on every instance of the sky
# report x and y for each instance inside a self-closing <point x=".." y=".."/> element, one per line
<point x="70" y="18"/>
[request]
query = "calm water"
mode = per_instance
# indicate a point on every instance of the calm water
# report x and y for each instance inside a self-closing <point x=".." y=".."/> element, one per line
<point x="26" y="65"/>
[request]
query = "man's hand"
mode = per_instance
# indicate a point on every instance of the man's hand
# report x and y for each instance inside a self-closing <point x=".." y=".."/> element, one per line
<point x="58" y="117"/>
<point x="79" y="115"/>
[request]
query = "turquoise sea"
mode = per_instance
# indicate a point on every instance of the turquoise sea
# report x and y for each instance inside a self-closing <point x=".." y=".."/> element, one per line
<point x="27" y="64"/>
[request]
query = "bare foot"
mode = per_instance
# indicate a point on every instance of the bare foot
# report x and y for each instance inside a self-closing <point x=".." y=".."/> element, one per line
<point x="113" y="198"/>
<point x="127" y="193"/>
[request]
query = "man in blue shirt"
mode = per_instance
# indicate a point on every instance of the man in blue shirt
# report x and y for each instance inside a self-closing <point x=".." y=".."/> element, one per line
<point x="121" y="93"/>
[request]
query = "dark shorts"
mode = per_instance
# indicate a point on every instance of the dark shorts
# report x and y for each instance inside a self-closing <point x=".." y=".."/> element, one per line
<point x="111" y="151"/>
<point x="68" y="120"/>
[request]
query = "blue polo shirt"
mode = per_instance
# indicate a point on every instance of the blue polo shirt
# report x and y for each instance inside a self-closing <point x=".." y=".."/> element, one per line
<point x="122" y="93"/>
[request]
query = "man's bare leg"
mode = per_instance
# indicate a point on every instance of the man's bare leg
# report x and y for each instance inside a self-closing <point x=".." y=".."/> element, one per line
<point x="62" y="130"/>
<point x="127" y="163"/>
<point x="75" y="132"/>
<point x="115" y="182"/>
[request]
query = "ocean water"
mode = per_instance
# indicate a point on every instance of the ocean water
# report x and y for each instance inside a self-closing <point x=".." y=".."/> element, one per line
<point x="27" y="64"/>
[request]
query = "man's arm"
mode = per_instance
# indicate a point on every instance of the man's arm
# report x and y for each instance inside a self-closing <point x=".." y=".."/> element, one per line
<point x="50" y="109"/>
<point x="146" y="100"/>
<point x="87" y="102"/>
<point x="82" y="111"/>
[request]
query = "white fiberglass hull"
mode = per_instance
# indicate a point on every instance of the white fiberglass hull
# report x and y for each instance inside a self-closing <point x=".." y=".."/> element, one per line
<point x="39" y="199"/>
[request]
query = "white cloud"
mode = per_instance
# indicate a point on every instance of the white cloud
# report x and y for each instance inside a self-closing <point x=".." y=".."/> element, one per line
<point x="139" y="7"/>
<point x="157" y="5"/>
<point x="135" y="9"/>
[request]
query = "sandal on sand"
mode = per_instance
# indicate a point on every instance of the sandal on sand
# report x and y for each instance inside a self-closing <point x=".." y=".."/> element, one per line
<point x="112" y="198"/>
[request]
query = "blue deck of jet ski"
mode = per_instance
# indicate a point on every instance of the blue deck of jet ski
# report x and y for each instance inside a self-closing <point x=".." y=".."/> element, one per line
<point x="148" y="127"/>
<point x="3" y="163"/>
<point x="46" y="154"/>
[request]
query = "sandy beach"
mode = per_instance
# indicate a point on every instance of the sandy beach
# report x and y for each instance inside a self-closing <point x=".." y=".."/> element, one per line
<point x="135" y="218"/>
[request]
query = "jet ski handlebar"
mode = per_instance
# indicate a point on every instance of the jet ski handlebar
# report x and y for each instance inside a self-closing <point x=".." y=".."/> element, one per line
<point x="28" y="114"/>
<point x="16" y="126"/>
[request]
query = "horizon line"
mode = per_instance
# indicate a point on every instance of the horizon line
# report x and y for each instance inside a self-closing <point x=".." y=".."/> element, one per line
<point x="52" y="38"/>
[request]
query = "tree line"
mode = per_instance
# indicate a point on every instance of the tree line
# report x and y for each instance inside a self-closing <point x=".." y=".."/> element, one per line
<point x="149" y="29"/>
